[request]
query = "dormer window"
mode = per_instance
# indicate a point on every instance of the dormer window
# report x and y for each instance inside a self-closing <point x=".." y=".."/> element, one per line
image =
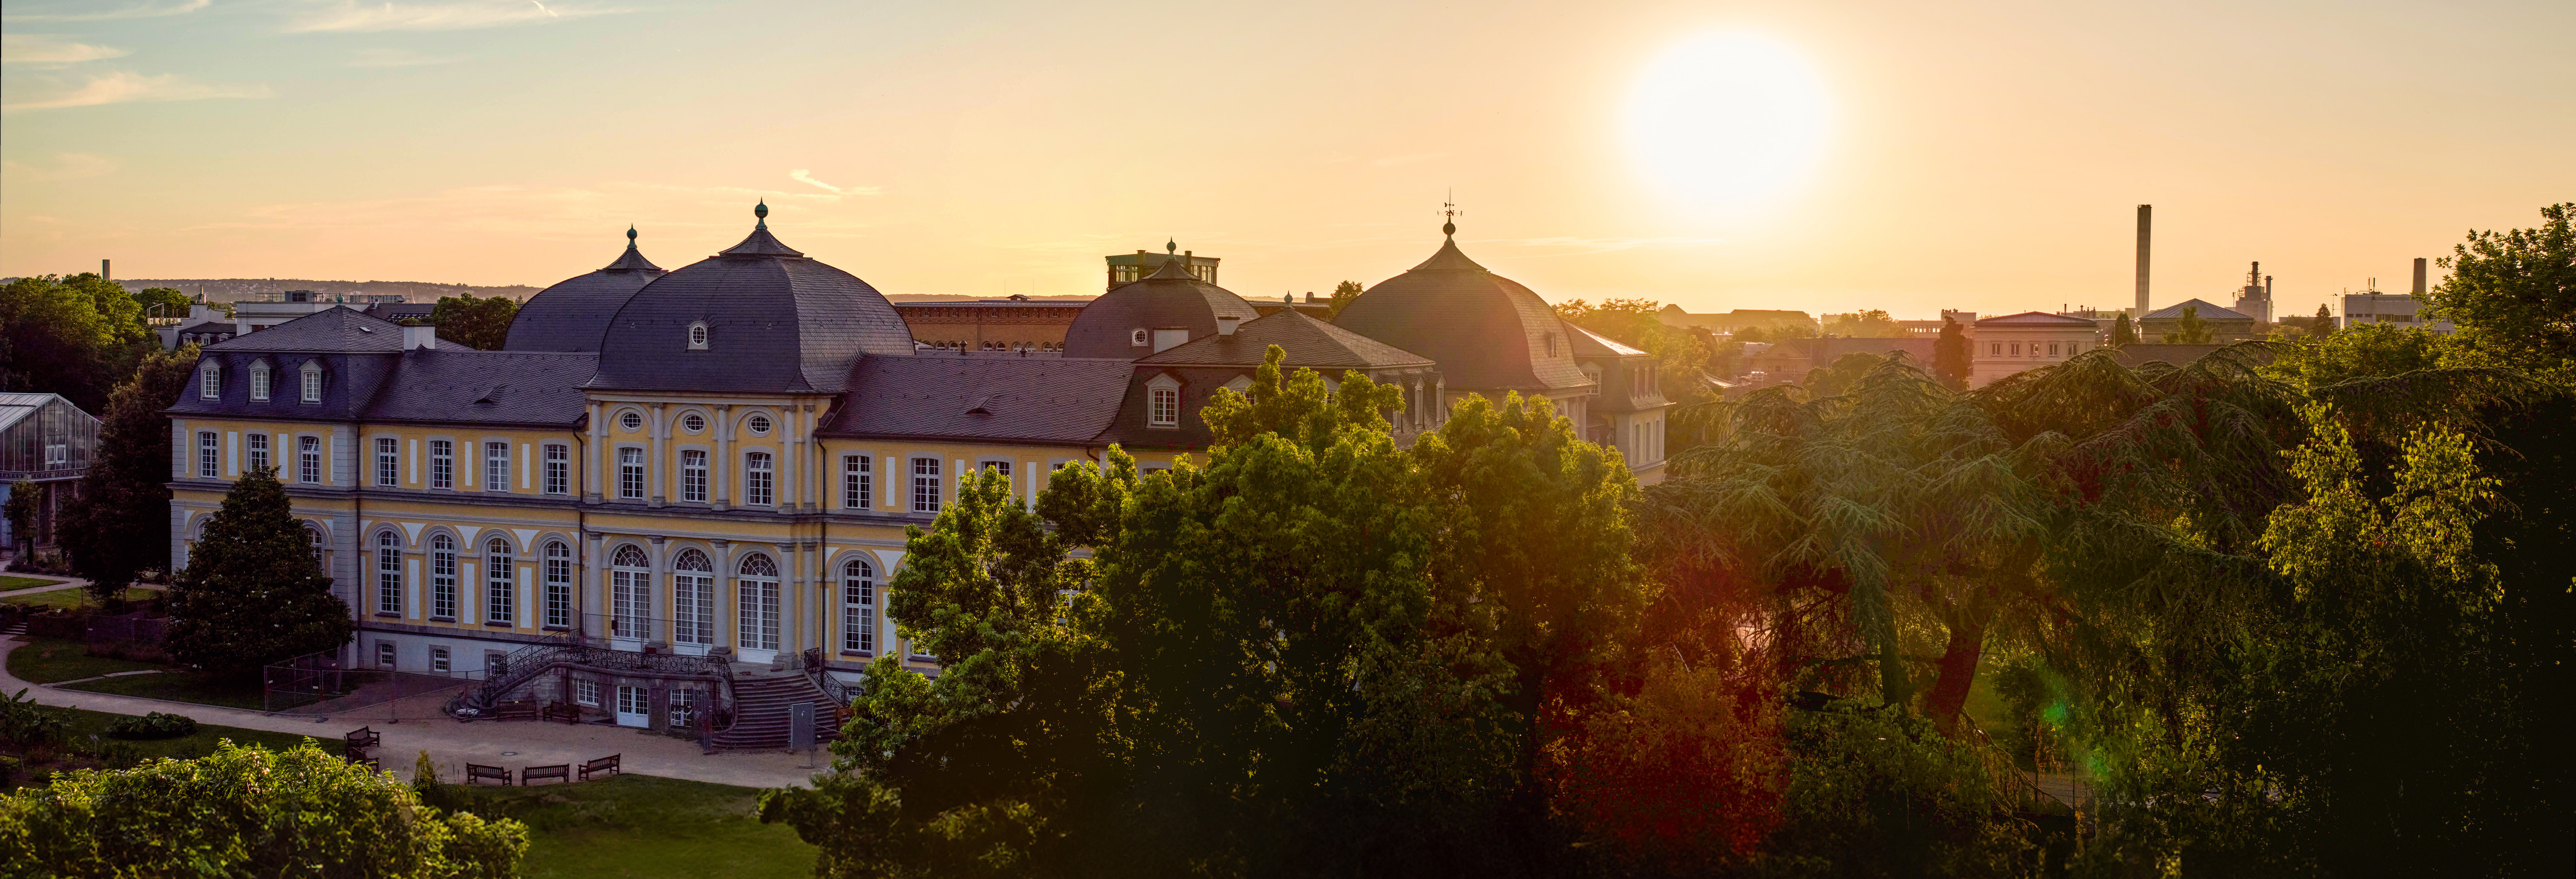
<point x="1138" y="339"/>
<point x="259" y="381"/>
<point x="1163" y="402"/>
<point x="698" y="336"/>
<point x="312" y="382"/>
<point x="210" y="381"/>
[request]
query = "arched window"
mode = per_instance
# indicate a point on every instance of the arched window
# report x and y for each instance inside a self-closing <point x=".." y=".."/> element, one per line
<point x="388" y="572"/>
<point x="693" y="599"/>
<point x="558" y="585"/>
<point x="442" y="577"/>
<point x="698" y="336"/>
<point x="313" y="537"/>
<point x="759" y="610"/>
<point x="500" y="584"/>
<point x="630" y="594"/>
<point x="858" y="607"/>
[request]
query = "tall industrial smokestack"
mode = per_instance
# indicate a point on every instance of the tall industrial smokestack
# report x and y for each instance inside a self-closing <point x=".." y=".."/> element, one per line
<point x="2419" y="276"/>
<point x="104" y="275"/>
<point x="2146" y="225"/>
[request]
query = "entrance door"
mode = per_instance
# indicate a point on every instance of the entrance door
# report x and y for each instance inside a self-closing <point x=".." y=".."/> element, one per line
<point x="634" y="706"/>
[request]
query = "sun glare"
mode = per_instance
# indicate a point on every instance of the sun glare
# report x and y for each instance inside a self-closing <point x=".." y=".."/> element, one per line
<point x="1726" y="118"/>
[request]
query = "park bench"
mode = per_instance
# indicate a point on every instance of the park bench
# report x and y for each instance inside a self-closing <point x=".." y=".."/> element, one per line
<point x="563" y="711"/>
<point x="515" y="709"/>
<point x="475" y="773"/>
<point x="359" y="757"/>
<point x="561" y="772"/>
<point x="601" y="766"/>
<point x="364" y="738"/>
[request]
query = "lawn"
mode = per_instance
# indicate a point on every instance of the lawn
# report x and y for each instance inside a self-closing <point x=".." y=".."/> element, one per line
<point x="47" y="660"/>
<point x="85" y="723"/>
<point x="183" y="687"/>
<point x="68" y="598"/>
<point x="8" y="583"/>
<point x="643" y="826"/>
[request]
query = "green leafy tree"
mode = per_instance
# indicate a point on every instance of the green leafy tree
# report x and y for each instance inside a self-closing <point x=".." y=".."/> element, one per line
<point x="26" y="500"/>
<point x="2514" y="293"/>
<point x="152" y="302"/>
<point x="120" y="524"/>
<point x="1869" y="324"/>
<point x="253" y="592"/>
<point x="248" y="811"/>
<point x="1953" y="356"/>
<point x="475" y="322"/>
<point x="2123" y="332"/>
<point x="1343" y="293"/>
<point x="75" y="336"/>
<point x="2190" y="329"/>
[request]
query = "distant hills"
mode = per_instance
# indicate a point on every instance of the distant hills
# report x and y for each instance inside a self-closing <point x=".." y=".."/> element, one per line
<point x="237" y="289"/>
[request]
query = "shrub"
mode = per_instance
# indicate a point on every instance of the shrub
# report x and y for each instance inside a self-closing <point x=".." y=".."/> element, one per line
<point x="1876" y="792"/>
<point x="25" y="725"/>
<point x="155" y="725"/>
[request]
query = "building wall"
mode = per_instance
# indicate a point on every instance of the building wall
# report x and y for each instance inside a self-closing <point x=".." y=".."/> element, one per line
<point x="984" y="327"/>
<point x="2003" y="351"/>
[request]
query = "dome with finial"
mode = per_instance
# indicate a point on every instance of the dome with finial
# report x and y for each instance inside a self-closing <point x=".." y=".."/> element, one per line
<point x="1487" y="331"/>
<point x="1167" y="308"/>
<point x="773" y="320"/>
<point x="572" y="314"/>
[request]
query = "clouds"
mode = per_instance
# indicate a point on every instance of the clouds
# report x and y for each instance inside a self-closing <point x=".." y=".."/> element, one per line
<point x="349" y="16"/>
<point x="47" y="51"/>
<point x="73" y="12"/>
<point x="806" y="177"/>
<point x="120" y="87"/>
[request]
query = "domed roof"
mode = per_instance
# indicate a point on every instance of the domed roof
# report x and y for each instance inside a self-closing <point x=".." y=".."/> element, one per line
<point x="1166" y="300"/>
<point x="1486" y="331"/>
<point x="571" y="315"/>
<point x="775" y="321"/>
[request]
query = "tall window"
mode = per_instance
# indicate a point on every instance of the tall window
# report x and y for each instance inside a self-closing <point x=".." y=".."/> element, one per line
<point x="558" y="469"/>
<point x="630" y="474"/>
<point x="756" y="480"/>
<point x="1167" y="407"/>
<point x="312" y="384"/>
<point x="388" y="573"/>
<point x="856" y="486"/>
<point x="858" y="607"/>
<point x="925" y="485"/>
<point x="442" y="577"/>
<point x="308" y="465"/>
<point x="558" y="584"/>
<point x="442" y="463"/>
<point x="210" y="381"/>
<point x="210" y="454"/>
<point x="259" y="381"/>
<point x="313" y="540"/>
<point x="388" y="462"/>
<point x="759" y="611"/>
<point x="693" y="476"/>
<point x="630" y="593"/>
<point x="496" y="466"/>
<point x="258" y="443"/>
<point x="693" y="599"/>
<point x="500" y="586"/>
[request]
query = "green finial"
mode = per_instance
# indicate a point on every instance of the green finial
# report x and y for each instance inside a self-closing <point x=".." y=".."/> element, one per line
<point x="1171" y="247"/>
<point x="761" y="212"/>
<point x="630" y="233"/>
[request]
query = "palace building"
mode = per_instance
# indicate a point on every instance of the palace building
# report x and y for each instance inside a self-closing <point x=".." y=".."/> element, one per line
<point x="675" y="495"/>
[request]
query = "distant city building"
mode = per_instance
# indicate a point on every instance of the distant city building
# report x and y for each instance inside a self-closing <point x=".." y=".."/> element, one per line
<point x="2227" y="325"/>
<point x="2029" y="340"/>
<point x="1013" y="324"/>
<point x="46" y="441"/>
<point x="2254" y="300"/>
<point x="1131" y="268"/>
<point x="1788" y="361"/>
<point x="2402" y="309"/>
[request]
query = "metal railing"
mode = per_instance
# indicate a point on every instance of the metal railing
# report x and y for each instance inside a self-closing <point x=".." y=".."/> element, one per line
<point x="822" y="676"/>
<point x="528" y="663"/>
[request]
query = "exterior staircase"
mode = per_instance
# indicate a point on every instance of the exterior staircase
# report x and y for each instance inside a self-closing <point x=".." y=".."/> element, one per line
<point x="760" y="719"/>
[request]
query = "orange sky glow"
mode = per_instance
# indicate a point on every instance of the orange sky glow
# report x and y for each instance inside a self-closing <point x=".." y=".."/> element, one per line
<point x="1985" y="156"/>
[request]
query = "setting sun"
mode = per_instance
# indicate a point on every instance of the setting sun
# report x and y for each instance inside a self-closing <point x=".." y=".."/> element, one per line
<point x="1726" y="118"/>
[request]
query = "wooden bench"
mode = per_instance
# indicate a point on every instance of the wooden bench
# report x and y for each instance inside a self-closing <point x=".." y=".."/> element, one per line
<point x="516" y="709"/>
<point x="563" y="711"/>
<point x="601" y="766"/>
<point x="364" y="738"/>
<point x="561" y="772"/>
<point x="475" y="773"/>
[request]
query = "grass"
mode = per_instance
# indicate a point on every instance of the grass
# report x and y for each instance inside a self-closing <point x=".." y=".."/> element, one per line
<point x="643" y="826"/>
<point x="85" y="723"/>
<point x="183" y="687"/>
<point x="8" y="583"/>
<point x="69" y="598"/>
<point x="47" y="660"/>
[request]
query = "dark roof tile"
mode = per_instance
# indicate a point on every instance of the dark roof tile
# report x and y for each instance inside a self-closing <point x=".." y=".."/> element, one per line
<point x="1052" y="400"/>
<point x="1308" y="343"/>
<point x="1487" y="331"/>
<point x="336" y="329"/>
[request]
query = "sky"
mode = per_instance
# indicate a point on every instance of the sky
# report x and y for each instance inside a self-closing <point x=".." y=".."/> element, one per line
<point x="1818" y="155"/>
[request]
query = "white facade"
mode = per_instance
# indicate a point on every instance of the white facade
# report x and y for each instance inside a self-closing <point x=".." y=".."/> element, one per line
<point x="2401" y="309"/>
<point x="2009" y="344"/>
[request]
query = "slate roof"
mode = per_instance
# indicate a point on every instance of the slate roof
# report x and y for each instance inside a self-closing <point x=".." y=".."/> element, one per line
<point x="1486" y="331"/>
<point x="573" y="314"/>
<point x="1591" y="344"/>
<point x="339" y="328"/>
<point x="2036" y="319"/>
<point x="778" y="323"/>
<point x="2207" y="312"/>
<point x="1307" y="342"/>
<point x="465" y="386"/>
<point x="1169" y="298"/>
<point x="1051" y="400"/>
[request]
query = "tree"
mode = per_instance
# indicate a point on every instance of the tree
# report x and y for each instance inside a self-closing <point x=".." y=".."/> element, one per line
<point x="1343" y="293"/>
<point x="2191" y="330"/>
<point x="152" y="302"/>
<point x="249" y="811"/>
<point x="1634" y="322"/>
<point x="75" y="336"/>
<point x="475" y="322"/>
<point x="2514" y="293"/>
<point x="2323" y="324"/>
<point x="253" y="592"/>
<point x="26" y="500"/>
<point x="2123" y="332"/>
<point x="120" y="523"/>
<point x="1869" y="324"/>
<point x="1953" y="356"/>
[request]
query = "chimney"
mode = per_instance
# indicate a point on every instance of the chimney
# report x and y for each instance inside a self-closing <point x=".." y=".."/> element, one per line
<point x="2146" y="217"/>
<point x="1225" y="324"/>
<point x="105" y="275"/>
<point x="419" y="337"/>
<point x="2419" y="276"/>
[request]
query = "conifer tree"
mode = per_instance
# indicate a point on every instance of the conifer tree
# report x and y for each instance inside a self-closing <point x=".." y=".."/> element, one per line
<point x="2124" y="332"/>
<point x="253" y="593"/>
<point x="1951" y="355"/>
<point x="2322" y="325"/>
<point x="2191" y="330"/>
<point x="120" y="524"/>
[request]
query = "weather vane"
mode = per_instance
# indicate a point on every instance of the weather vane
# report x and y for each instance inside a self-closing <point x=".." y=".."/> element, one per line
<point x="1450" y="213"/>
